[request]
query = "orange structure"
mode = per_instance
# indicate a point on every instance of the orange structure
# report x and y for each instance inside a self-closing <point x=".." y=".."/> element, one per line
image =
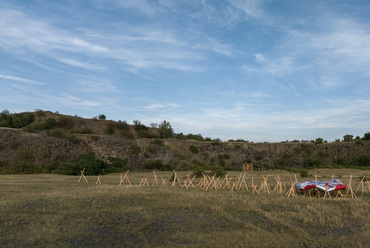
<point x="248" y="167"/>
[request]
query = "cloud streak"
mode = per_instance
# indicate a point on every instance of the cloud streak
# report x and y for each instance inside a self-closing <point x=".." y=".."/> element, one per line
<point x="19" y="79"/>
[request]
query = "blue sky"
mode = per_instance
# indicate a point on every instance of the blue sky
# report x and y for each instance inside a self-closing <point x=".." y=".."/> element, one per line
<point x="259" y="70"/>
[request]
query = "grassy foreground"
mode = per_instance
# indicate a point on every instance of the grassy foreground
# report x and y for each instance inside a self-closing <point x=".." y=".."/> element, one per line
<point x="56" y="211"/>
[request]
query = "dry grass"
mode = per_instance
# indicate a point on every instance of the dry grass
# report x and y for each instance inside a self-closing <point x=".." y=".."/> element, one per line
<point x="56" y="211"/>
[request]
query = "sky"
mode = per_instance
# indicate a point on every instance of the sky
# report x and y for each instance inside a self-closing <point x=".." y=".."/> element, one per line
<point x="258" y="70"/>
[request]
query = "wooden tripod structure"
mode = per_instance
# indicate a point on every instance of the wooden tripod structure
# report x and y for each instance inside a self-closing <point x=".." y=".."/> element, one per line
<point x="163" y="182"/>
<point x="254" y="188"/>
<point x="98" y="181"/>
<point x="82" y="176"/>
<point x="144" y="182"/>
<point x="264" y="185"/>
<point x="155" y="179"/>
<point x="123" y="178"/>
<point x="350" y="190"/>
<point x="363" y="187"/>
<point x="279" y="186"/>
<point x="292" y="191"/>
<point x="175" y="178"/>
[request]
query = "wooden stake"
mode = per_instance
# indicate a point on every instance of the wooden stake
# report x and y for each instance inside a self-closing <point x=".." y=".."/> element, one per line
<point x="292" y="191"/>
<point x="155" y="179"/>
<point x="190" y="180"/>
<point x="212" y="182"/>
<point x="243" y="182"/>
<point x="175" y="178"/>
<point x="363" y="188"/>
<point x="279" y="187"/>
<point x="98" y="181"/>
<point x="326" y="191"/>
<point x="227" y="182"/>
<point x="82" y="176"/>
<point x="144" y="181"/>
<point x="254" y="188"/>
<point x="163" y="182"/>
<point x="350" y="190"/>
<point x="264" y="186"/>
<point x="122" y="179"/>
<point x="185" y="184"/>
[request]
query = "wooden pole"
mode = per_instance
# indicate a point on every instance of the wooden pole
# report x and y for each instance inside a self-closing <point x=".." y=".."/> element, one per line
<point x="122" y="179"/>
<point x="155" y="179"/>
<point x="98" y="181"/>
<point x="82" y="176"/>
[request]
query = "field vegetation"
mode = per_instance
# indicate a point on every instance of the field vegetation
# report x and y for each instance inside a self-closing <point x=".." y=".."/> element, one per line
<point x="41" y="210"/>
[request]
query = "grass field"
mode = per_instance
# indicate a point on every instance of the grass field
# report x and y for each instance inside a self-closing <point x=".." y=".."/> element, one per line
<point x="56" y="211"/>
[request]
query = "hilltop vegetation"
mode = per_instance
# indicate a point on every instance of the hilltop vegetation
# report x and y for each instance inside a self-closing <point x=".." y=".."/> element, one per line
<point x="46" y="142"/>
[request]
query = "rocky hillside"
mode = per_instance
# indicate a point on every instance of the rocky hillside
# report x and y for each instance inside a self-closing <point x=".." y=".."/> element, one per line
<point x="52" y="139"/>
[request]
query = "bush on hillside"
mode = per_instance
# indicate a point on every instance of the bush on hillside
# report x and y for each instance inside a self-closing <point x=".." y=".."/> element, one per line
<point x="218" y="170"/>
<point x="303" y="173"/>
<point x="92" y="165"/>
<point x="198" y="170"/>
<point x="65" y="122"/>
<point x="194" y="149"/>
<point x="363" y="160"/>
<point x="16" y="120"/>
<point x="156" y="165"/>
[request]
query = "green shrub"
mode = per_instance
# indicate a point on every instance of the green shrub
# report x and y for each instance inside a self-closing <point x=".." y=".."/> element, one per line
<point x="24" y="167"/>
<point x="312" y="162"/>
<point x="198" y="170"/>
<point x="39" y="112"/>
<point x="218" y="170"/>
<point x="110" y="128"/>
<point x="197" y="137"/>
<point x="205" y="155"/>
<point x="86" y="130"/>
<point x="16" y="120"/>
<point x="151" y="149"/>
<point x="156" y="165"/>
<point x="73" y="138"/>
<point x="223" y="156"/>
<point x="58" y="133"/>
<point x="135" y="149"/>
<point x="65" y="122"/>
<point x="92" y="165"/>
<point x="50" y="123"/>
<point x="141" y="127"/>
<point x="194" y="149"/>
<point x="303" y="173"/>
<point x="120" y="164"/>
<point x="102" y="117"/>
<point x="22" y="119"/>
<point x="5" y="119"/>
<point x="157" y="142"/>
<point x="14" y="144"/>
<point x="363" y="160"/>
<point x="185" y="166"/>
<point x="27" y="156"/>
<point x="342" y="161"/>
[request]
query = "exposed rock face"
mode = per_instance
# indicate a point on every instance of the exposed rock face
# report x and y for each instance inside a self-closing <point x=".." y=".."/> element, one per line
<point x="17" y="145"/>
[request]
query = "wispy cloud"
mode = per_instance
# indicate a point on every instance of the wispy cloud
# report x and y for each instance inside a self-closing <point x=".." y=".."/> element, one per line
<point x="250" y="7"/>
<point x="161" y="106"/>
<point x="19" y="79"/>
<point x="140" y="48"/>
<point x="84" y="65"/>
